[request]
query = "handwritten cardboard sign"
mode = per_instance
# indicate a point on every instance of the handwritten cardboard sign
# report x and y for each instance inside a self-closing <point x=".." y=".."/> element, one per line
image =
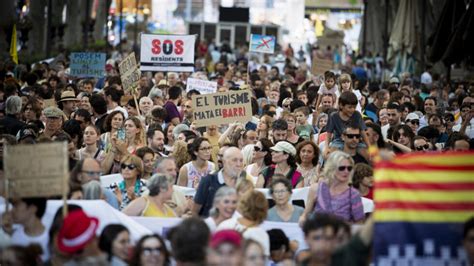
<point x="129" y="72"/>
<point x="203" y="86"/>
<point x="320" y="66"/>
<point x="39" y="170"/>
<point x="87" y="65"/>
<point x="222" y="108"/>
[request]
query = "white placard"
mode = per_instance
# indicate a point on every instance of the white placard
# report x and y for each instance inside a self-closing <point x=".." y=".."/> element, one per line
<point x="203" y="86"/>
<point x="167" y="52"/>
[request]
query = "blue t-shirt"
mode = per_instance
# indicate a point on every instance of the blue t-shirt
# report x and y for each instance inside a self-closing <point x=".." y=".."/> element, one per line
<point x="336" y="125"/>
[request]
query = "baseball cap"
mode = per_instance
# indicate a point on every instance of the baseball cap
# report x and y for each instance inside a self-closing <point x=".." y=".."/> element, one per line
<point x="412" y="116"/>
<point x="283" y="146"/>
<point x="394" y="80"/>
<point x="53" y="112"/>
<point x="226" y="236"/>
<point x="77" y="231"/>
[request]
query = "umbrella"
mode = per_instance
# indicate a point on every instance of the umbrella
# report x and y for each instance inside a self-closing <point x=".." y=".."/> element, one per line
<point x="403" y="38"/>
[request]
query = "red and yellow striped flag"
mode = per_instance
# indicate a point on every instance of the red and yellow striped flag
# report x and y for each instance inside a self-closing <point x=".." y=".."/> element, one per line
<point x="421" y="203"/>
<point x="425" y="188"/>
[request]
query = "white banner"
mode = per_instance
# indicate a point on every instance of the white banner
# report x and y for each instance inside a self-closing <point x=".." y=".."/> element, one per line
<point x="203" y="86"/>
<point x="167" y="52"/>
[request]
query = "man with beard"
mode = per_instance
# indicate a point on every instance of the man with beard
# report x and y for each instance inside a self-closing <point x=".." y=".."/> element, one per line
<point x="394" y="113"/>
<point x="233" y="164"/>
<point x="156" y="139"/>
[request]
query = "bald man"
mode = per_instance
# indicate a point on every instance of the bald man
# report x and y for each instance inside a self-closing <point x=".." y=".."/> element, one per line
<point x="233" y="164"/>
<point x="88" y="170"/>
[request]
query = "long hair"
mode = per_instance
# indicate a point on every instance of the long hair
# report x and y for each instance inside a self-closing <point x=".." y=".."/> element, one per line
<point x="135" y="261"/>
<point x="108" y="236"/>
<point x="140" y="136"/>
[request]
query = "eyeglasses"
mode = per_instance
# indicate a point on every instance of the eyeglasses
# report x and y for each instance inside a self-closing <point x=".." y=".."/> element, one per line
<point x="342" y="168"/>
<point x="150" y="251"/>
<point x="413" y="121"/>
<point x="423" y="147"/>
<point x="279" y="192"/>
<point x="92" y="173"/>
<point x="129" y="166"/>
<point x="351" y="136"/>
<point x="205" y="149"/>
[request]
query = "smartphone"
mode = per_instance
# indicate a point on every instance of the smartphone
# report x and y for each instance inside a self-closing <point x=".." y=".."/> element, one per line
<point x="121" y="133"/>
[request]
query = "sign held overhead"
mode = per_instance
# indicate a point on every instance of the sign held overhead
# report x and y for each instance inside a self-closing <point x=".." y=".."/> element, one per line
<point x="262" y="43"/>
<point x="167" y="52"/>
<point x="222" y="108"/>
<point x="87" y="65"/>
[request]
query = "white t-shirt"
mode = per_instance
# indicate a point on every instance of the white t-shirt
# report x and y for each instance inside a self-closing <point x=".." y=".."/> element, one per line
<point x="20" y="238"/>
<point x="211" y="223"/>
<point x="469" y="129"/>
<point x="257" y="234"/>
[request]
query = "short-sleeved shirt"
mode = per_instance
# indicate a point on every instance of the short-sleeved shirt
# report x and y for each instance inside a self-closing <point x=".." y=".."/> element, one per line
<point x="336" y="125"/>
<point x="206" y="190"/>
<point x="295" y="216"/>
<point x="347" y="205"/>
<point x="171" y="111"/>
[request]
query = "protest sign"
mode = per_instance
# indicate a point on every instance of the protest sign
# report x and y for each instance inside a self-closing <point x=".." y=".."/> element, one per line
<point x="87" y="65"/>
<point x="129" y="72"/>
<point x="39" y="170"/>
<point x="321" y="65"/>
<point x="167" y="52"/>
<point x="424" y="198"/>
<point x="262" y="43"/>
<point x="222" y="108"/>
<point x="203" y="86"/>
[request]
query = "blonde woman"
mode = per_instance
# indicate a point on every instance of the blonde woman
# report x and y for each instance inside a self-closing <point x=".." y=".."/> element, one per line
<point x="135" y="134"/>
<point x="132" y="185"/>
<point x="334" y="195"/>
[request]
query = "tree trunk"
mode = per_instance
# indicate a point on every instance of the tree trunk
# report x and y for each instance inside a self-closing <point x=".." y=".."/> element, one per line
<point x="74" y="19"/>
<point x="101" y="18"/>
<point x="36" y="37"/>
<point x="7" y="13"/>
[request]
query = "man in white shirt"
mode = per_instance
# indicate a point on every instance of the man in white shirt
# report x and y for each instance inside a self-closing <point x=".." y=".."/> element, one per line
<point x="394" y="114"/>
<point x="28" y="213"/>
<point x="467" y="125"/>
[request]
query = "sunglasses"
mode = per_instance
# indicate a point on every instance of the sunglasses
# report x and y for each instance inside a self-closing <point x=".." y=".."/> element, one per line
<point x="351" y="136"/>
<point x="449" y="119"/>
<point x="413" y="121"/>
<point x="129" y="166"/>
<point x="256" y="148"/>
<point x="342" y="168"/>
<point x="423" y="147"/>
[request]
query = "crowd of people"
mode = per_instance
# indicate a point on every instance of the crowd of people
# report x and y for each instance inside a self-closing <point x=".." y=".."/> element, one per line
<point x="307" y="132"/>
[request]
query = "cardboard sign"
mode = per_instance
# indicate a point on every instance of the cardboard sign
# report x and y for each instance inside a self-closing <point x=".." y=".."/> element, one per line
<point x="39" y="170"/>
<point x="319" y="66"/>
<point x="87" y="65"/>
<point x="129" y="72"/>
<point x="222" y="108"/>
<point x="167" y="52"/>
<point x="262" y="43"/>
<point x="203" y="86"/>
